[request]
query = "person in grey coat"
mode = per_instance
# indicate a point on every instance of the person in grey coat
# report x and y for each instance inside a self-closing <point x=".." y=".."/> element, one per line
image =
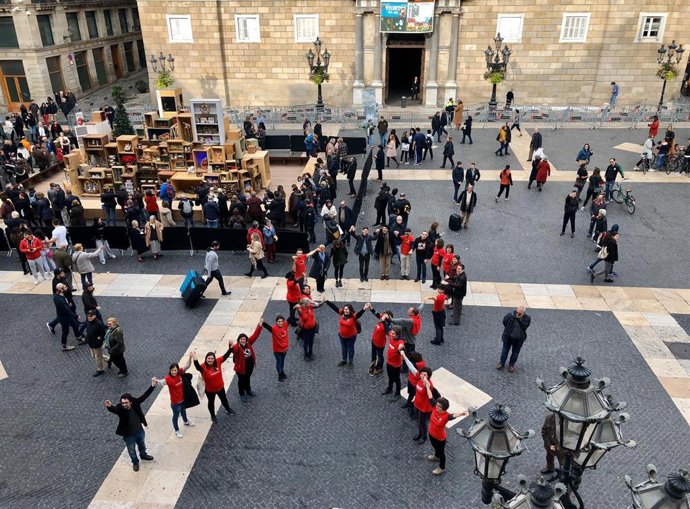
<point x="211" y="267"/>
<point x="515" y="326"/>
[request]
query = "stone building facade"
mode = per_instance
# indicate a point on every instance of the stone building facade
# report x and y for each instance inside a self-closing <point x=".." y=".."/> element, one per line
<point x="78" y="45"/>
<point x="252" y="52"/>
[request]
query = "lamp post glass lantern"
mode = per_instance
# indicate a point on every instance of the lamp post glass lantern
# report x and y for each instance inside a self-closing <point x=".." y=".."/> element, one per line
<point x="161" y="63"/>
<point x="535" y="495"/>
<point x="318" y="68"/>
<point x="668" y="60"/>
<point x="496" y="62"/>
<point x="652" y="494"/>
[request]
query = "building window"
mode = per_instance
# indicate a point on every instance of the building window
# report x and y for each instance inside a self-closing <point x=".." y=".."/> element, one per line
<point x="651" y="27"/>
<point x="8" y="35"/>
<point x="83" y="70"/>
<point x="45" y="30"/>
<point x="124" y="27"/>
<point x="99" y="62"/>
<point x="55" y="73"/>
<point x="179" y="28"/>
<point x="574" y="27"/>
<point x="136" y="22"/>
<point x="306" y="27"/>
<point x="14" y="81"/>
<point x="142" y="53"/>
<point x="129" y="56"/>
<point x="91" y="24"/>
<point x="247" y="28"/>
<point x="510" y="27"/>
<point x="73" y="26"/>
<point x="108" y="23"/>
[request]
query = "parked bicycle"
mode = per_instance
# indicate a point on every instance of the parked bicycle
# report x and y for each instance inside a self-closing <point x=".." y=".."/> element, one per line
<point x="675" y="162"/>
<point x="646" y="162"/>
<point x="623" y="196"/>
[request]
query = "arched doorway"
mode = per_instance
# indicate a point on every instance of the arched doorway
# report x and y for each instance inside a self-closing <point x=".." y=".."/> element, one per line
<point x="404" y="61"/>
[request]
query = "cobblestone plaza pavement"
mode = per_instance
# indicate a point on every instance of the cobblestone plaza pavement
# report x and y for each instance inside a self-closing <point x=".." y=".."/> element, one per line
<point x="326" y="437"/>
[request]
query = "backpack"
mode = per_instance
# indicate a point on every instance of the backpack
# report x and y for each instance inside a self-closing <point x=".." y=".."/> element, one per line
<point x="187" y="207"/>
<point x="170" y="192"/>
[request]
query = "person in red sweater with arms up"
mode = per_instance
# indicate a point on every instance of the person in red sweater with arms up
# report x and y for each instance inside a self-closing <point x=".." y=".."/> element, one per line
<point x="294" y="294"/>
<point x="212" y="373"/>
<point x="378" y="342"/>
<point x="308" y="326"/>
<point x="300" y="263"/>
<point x="393" y="362"/>
<point x="244" y="357"/>
<point x="424" y="394"/>
<point x="175" y="386"/>
<point x="438" y="312"/>
<point x="437" y="432"/>
<point x="348" y="329"/>
<point x="281" y="340"/>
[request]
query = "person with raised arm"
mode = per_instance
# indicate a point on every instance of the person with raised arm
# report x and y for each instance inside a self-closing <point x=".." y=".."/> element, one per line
<point x="348" y="329"/>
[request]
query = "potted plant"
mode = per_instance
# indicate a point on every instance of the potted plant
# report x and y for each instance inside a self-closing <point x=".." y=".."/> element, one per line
<point x="667" y="71"/>
<point x="319" y="75"/>
<point x="142" y="86"/>
<point x="165" y="79"/>
<point x="495" y="77"/>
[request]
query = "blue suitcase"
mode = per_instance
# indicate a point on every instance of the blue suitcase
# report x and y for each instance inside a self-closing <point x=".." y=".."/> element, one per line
<point x="192" y="288"/>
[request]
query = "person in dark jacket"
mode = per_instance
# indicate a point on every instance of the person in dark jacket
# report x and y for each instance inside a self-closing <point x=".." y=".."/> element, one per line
<point x="381" y="204"/>
<point x="350" y="163"/>
<point x="211" y="213"/>
<point x="345" y="218"/>
<point x="339" y="258"/>
<point x="66" y="316"/>
<point x="467" y="202"/>
<point x="548" y="434"/>
<point x="115" y="339"/>
<point x="467" y="130"/>
<point x="95" y="334"/>
<point x="472" y="175"/>
<point x="571" y="207"/>
<point x="223" y="208"/>
<point x="448" y="152"/>
<point x="458" y="176"/>
<point x="595" y="184"/>
<point x="76" y="215"/>
<point x="535" y="142"/>
<point x="515" y="326"/>
<point x="423" y="249"/>
<point x="458" y="290"/>
<point x="380" y="165"/>
<point x="610" y="244"/>
<point x="364" y="248"/>
<point x="321" y="261"/>
<point x="130" y="424"/>
<point x="138" y="240"/>
<point x="109" y="205"/>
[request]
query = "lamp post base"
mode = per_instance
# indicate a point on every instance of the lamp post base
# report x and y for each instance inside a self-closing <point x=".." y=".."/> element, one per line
<point x="493" y="104"/>
<point x="661" y="99"/>
<point x="319" y="98"/>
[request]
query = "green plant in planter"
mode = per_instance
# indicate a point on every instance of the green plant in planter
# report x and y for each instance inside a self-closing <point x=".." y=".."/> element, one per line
<point x="142" y="86"/>
<point x="165" y="79"/>
<point x="319" y="76"/>
<point x="122" y="124"/>
<point x="667" y="72"/>
<point x="495" y="77"/>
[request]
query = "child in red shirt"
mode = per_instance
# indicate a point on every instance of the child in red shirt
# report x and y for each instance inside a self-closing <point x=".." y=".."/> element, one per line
<point x="438" y="312"/>
<point x="437" y="432"/>
<point x="406" y="241"/>
<point x="281" y="343"/>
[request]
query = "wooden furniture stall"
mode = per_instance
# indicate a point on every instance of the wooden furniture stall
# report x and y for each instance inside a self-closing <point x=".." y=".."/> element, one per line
<point x="259" y="165"/>
<point x="169" y="102"/>
<point x="94" y="149"/>
<point x="208" y="121"/>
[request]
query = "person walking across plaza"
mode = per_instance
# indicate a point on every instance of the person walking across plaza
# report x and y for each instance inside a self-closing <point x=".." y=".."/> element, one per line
<point x="448" y="152"/>
<point x="31" y="247"/>
<point x="175" y="382"/>
<point x="595" y="186"/>
<point x="501" y="139"/>
<point x="458" y="177"/>
<point x="81" y="261"/>
<point x="551" y="444"/>
<point x="212" y="374"/>
<point x="437" y="432"/>
<point x="612" y="171"/>
<point x="256" y="255"/>
<point x="131" y="422"/>
<point x="115" y="343"/>
<point x="608" y="253"/>
<point x="535" y="143"/>
<point x="472" y="175"/>
<point x="515" y="326"/>
<point x="95" y="332"/>
<point x="516" y="122"/>
<point x="348" y="329"/>
<point x="99" y="233"/>
<point x="66" y="317"/>
<point x="543" y="172"/>
<point x="392" y="150"/>
<point x="211" y="267"/>
<point x="280" y="343"/>
<point x="570" y="209"/>
<point x="506" y="180"/>
<point x="466" y="129"/>
<point x="467" y="202"/>
<point x="244" y="360"/>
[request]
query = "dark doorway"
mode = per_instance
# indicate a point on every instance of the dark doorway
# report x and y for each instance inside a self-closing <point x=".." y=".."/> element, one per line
<point x="402" y="65"/>
<point x="685" y="84"/>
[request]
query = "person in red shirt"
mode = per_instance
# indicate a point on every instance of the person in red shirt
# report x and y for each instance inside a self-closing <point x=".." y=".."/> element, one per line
<point x="437" y="432"/>
<point x="306" y="292"/>
<point x="348" y="329"/>
<point x="378" y="342"/>
<point x="212" y="373"/>
<point x="393" y="363"/>
<point x="300" y="262"/>
<point x="436" y="261"/>
<point x="424" y="394"/>
<point x="447" y="259"/>
<point x="406" y="241"/>
<point x="255" y="229"/>
<point x="294" y="294"/>
<point x="151" y="204"/>
<point x="412" y="379"/>
<point x="438" y="312"/>
<point x="308" y="326"/>
<point x="175" y="386"/>
<point x="245" y="359"/>
<point x="31" y="247"/>
<point x="281" y="343"/>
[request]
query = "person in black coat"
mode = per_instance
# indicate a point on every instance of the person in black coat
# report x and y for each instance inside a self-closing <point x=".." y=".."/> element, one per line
<point x="472" y="175"/>
<point x="351" y="169"/>
<point x="223" y="208"/>
<point x="535" y="142"/>
<point x="66" y="316"/>
<point x="424" y="249"/>
<point x="467" y="202"/>
<point x="130" y="424"/>
<point x="448" y="152"/>
<point x="458" y="290"/>
<point x="380" y="162"/>
<point x="364" y="248"/>
<point x="458" y="176"/>
<point x="533" y="172"/>
<point x="381" y="204"/>
<point x="95" y="333"/>
<point x="515" y="326"/>
<point x="571" y="207"/>
<point x="345" y="218"/>
<point x="137" y="240"/>
<point x="467" y="130"/>
<point x="321" y="261"/>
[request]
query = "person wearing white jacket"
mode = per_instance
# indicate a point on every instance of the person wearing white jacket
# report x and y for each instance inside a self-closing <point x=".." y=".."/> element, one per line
<point x="81" y="263"/>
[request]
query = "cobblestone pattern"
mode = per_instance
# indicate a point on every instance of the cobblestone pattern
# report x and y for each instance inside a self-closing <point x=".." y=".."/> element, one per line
<point x="327" y="438"/>
<point x="59" y="442"/>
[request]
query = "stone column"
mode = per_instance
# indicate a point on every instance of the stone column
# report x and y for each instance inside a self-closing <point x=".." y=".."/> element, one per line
<point x="451" y="85"/>
<point x="431" y="87"/>
<point x="377" y="84"/>
<point x="358" y="84"/>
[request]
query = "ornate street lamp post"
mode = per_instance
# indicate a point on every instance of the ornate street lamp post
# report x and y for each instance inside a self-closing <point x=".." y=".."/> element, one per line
<point x="496" y="65"/>
<point x="162" y="64"/>
<point x="651" y="494"/>
<point x="318" y="68"/>
<point x="668" y="60"/>
<point x="536" y="495"/>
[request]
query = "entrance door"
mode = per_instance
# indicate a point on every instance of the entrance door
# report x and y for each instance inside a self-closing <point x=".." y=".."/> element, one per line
<point x="403" y="65"/>
<point x="117" y="62"/>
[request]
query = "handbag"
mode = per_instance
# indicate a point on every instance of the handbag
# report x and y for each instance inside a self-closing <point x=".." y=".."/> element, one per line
<point x="603" y="253"/>
<point x="201" y="387"/>
<point x="298" y="331"/>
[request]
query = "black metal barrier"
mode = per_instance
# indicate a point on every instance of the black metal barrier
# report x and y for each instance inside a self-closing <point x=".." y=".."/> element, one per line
<point x="236" y="240"/>
<point x="278" y="142"/>
<point x="356" y="146"/>
<point x="363" y="184"/>
<point x="4" y="242"/>
<point x="116" y="235"/>
<point x="176" y="238"/>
